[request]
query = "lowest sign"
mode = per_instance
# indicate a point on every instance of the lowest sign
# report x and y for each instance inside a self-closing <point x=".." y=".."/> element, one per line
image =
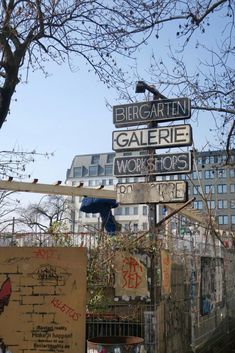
<point x="153" y="192"/>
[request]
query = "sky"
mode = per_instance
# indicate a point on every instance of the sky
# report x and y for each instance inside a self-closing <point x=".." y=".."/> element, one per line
<point x="66" y="114"/>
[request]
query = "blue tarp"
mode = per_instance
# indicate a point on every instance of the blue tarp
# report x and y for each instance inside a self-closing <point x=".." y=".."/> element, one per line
<point x="103" y="207"/>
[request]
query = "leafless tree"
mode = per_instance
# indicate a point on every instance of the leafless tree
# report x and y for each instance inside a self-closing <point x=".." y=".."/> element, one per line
<point x="46" y="215"/>
<point x="9" y="204"/>
<point x="198" y="62"/>
<point x="15" y="163"/>
<point x="34" y="32"/>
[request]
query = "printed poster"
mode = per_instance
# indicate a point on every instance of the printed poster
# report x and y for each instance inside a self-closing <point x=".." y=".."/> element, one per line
<point x="42" y="300"/>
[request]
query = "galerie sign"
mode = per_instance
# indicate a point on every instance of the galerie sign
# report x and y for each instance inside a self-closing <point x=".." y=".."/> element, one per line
<point x="168" y="136"/>
<point x="160" y="164"/>
<point x="42" y="299"/>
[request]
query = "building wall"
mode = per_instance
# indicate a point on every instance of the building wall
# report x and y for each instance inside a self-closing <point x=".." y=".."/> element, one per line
<point x="211" y="182"/>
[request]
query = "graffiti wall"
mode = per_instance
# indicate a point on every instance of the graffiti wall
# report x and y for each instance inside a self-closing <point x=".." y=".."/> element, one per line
<point x="42" y="300"/>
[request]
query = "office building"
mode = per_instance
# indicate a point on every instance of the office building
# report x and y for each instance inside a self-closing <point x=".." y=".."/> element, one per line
<point x="211" y="181"/>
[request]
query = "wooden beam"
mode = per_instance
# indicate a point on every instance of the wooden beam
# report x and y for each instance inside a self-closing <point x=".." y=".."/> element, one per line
<point x="56" y="189"/>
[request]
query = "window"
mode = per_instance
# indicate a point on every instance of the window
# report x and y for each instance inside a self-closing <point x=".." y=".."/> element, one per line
<point x="222" y="188"/>
<point x="110" y="158"/>
<point x="196" y="189"/>
<point x="145" y="226"/>
<point x="222" y="173"/>
<point x="196" y="175"/>
<point x="232" y="203"/>
<point x="103" y="182"/>
<point x="211" y="204"/>
<point x="127" y="154"/>
<point x="223" y="220"/>
<point x="222" y="204"/>
<point x="77" y="172"/>
<point x="135" y="227"/>
<point x="110" y="181"/>
<point x="209" y="174"/>
<point x="118" y="211"/>
<point x="197" y="205"/>
<point x="91" y="182"/>
<point x="199" y="160"/>
<point x="95" y="159"/>
<point x="232" y="173"/>
<point x="233" y="219"/>
<point x="134" y="211"/>
<point x="145" y="210"/>
<point x="212" y="159"/>
<point x="93" y="170"/>
<point x="232" y="187"/>
<point x="108" y="169"/>
<point x="209" y="189"/>
<point x="127" y="211"/>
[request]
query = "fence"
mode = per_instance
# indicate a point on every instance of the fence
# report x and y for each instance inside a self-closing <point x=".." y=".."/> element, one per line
<point x="197" y="312"/>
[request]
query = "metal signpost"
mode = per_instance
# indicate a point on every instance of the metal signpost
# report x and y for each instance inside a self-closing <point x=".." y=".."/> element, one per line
<point x="154" y="137"/>
<point x="161" y="164"/>
<point x="151" y="111"/>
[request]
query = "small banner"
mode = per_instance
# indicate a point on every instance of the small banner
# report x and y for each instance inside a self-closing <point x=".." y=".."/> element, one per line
<point x="42" y="300"/>
<point x="130" y="276"/>
<point x="166" y="271"/>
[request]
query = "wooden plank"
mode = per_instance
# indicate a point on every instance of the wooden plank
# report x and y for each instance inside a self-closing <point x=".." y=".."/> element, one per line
<point x="56" y="189"/>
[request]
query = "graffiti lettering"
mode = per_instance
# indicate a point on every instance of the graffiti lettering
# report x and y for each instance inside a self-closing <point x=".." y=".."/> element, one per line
<point x="45" y="254"/>
<point x="64" y="308"/>
<point x="132" y="273"/>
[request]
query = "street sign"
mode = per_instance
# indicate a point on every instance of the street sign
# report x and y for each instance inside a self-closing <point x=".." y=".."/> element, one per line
<point x="153" y="192"/>
<point x="161" y="164"/>
<point x="142" y="113"/>
<point x="161" y="137"/>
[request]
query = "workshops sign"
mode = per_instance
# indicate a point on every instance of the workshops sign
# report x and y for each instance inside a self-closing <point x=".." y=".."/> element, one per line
<point x="162" y="164"/>
<point x="143" y="113"/>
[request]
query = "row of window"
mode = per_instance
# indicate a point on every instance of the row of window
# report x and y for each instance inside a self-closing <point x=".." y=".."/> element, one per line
<point x="211" y="189"/>
<point x="210" y="174"/>
<point x="212" y="204"/>
<point x="92" y="171"/>
<point x="95" y="158"/>
<point x="224" y="219"/>
<point x="214" y="159"/>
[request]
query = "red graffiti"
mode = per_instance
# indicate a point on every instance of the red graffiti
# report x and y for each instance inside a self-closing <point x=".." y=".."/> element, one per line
<point x="132" y="272"/>
<point x="64" y="308"/>
<point x="45" y="254"/>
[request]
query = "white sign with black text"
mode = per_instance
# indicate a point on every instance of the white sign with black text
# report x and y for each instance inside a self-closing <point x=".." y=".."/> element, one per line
<point x="161" y="137"/>
<point x="153" y="192"/>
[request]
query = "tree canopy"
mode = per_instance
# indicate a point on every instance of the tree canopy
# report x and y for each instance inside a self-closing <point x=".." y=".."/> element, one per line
<point x="100" y="31"/>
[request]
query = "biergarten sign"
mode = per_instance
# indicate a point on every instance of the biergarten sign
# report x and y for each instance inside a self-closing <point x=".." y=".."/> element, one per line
<point x="161" y="164"/>
<point x="143" y="113"/>
<point x="153" y="192"/>
<point x="160" y="137"/>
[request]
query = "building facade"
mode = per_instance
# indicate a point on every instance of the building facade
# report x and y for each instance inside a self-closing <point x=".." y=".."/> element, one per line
<point x="212" y="183"/>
